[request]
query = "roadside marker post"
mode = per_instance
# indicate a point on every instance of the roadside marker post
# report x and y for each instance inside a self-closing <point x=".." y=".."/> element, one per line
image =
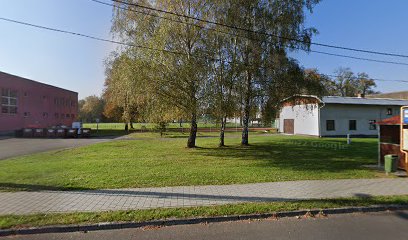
<point x="97" y="125"/>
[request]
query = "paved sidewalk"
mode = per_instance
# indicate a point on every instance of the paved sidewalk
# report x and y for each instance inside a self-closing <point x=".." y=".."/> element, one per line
<point x="147" y="198"/>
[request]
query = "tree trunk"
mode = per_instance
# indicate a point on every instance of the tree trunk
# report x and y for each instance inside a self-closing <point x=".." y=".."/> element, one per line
<point x="193" y="132"/>
<point x="245" y="128"/>
<point x="222" y="132"/>
<point x="247" y="112"/>
<point x="131" y="125"/>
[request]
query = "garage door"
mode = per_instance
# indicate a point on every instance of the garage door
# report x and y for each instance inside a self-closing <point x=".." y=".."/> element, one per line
<point x="289" y="126"/>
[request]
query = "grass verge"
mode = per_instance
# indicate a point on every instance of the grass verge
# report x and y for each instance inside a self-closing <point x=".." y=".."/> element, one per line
<point x="37" y="220"/>
<point x="147" y="160"/>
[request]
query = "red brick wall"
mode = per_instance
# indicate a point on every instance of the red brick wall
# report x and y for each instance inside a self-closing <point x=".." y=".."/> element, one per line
<point x="40" y="102"/>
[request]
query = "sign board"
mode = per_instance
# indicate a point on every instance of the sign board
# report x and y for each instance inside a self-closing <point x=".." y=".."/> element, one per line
<point x="405" y="115"/>
<point x="405" y="141"/>
<point x="77" y="125"/>
<point x="404" y="132"/>
<point x="97" y="120"/>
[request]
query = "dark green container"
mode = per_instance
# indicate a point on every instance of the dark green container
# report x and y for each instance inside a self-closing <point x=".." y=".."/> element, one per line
<point x="391" y="163"/>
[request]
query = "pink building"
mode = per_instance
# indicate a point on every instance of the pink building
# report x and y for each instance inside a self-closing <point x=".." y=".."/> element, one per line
<point x="26" y="103"/>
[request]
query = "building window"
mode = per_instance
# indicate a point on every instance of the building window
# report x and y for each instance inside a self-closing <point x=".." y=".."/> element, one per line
<point x="373" y="125"/>
<point x="9" y="101"/>
<point x="26" y="114"/>
<point x="353" y="125"/>
<point x="56" y="115"/>
<point x="62" y="115"/>
<point x="330" y="125"/>
<point x="45" y="115"/>
<point x="389" y="111"/>
<point x="67" y="115"/>
<point x="72" y="116"/>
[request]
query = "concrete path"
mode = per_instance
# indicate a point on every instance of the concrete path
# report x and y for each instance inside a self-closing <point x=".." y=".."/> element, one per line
<point x="13" y="147"/>
<point x="389" y="225"/>
<point x="147" y="198"/>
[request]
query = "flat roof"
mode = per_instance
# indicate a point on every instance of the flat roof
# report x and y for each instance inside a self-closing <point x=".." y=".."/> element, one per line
<point x="364" y="101"/>
<point x="26" y="79"/>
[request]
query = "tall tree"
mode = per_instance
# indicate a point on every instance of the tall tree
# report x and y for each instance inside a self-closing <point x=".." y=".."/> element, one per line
<point x="124" y="86"/>
<point x="281" y="21"/>
<point x="366" y="85"/>
<point x="176" y="77"/>
<point x="347" y="84"/>
<point x="91" y="108"/>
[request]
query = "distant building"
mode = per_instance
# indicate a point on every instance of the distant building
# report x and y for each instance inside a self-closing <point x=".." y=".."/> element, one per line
<point x="336" y="116"/>
<point x="26" y="103"/>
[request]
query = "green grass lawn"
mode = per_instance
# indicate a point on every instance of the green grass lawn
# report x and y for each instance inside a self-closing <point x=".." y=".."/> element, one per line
<point x="150" y="161"/>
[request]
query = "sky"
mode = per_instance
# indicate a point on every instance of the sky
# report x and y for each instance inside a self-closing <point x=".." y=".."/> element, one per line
<point x="77" y="63"/>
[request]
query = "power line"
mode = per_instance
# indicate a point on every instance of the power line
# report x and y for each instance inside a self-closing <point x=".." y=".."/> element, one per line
<point x="233" y="34"/>
<point x="376" y="79"/>
<point x="359" y="58"/>
<point x="262" y="33"/>
<point x="88" y="36"/>
<point x="133" y="45"/>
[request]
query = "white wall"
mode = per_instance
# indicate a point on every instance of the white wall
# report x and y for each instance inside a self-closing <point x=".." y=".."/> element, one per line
<point x="306" y="119"/>
<point x="362" y="113"/>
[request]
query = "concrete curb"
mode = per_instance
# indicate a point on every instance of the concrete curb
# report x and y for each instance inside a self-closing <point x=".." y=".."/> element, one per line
<point x="200" y="220"/>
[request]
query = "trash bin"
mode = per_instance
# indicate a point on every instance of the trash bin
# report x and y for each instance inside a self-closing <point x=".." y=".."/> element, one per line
<point x="51" y="133"/>
<point x="38" y="132"/>
<point x="391" y="163"/>
<point x="85" y="132"/>
<point x="28" y="132"/>
<point x="72" y="133"/>
<point x="61" y="133"/>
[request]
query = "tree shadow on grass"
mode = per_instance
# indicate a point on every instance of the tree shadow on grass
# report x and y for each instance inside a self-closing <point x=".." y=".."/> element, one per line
<point x="33" y="187"/>
<point x="314" y="156"/>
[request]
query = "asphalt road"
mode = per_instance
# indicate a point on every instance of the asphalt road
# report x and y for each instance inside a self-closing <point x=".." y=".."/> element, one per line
<point x="352" y="226"/>
<point x="13" y="147"/>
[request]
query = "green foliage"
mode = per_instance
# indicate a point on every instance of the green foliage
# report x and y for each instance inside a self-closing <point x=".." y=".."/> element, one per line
<point x="91" y="108"/>
<point x="207" y="72"/>
<point x="347" y="84"/>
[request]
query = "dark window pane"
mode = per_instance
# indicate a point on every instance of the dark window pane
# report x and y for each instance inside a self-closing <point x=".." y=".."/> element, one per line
<point x="373" y="125"/>
<point x="13" y="101"/>
<point x="4" y="101"/>
<point x="4" y="110"/>
<point x="330" y="125"/>
<point x="352" y="125"/>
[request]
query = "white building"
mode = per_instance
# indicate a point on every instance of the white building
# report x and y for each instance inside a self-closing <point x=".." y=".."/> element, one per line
<point x="336" y="116"/>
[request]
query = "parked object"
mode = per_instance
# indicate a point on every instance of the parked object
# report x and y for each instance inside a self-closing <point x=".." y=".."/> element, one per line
<point x="391" y="163"/>
<point x="72" y="133"/>
<point x="86" y="132"/>
<point x="61" y="133"/>
<point x="39" y="133"/>
<point x="51" y="133"/>
<point x="28" y="132"/>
